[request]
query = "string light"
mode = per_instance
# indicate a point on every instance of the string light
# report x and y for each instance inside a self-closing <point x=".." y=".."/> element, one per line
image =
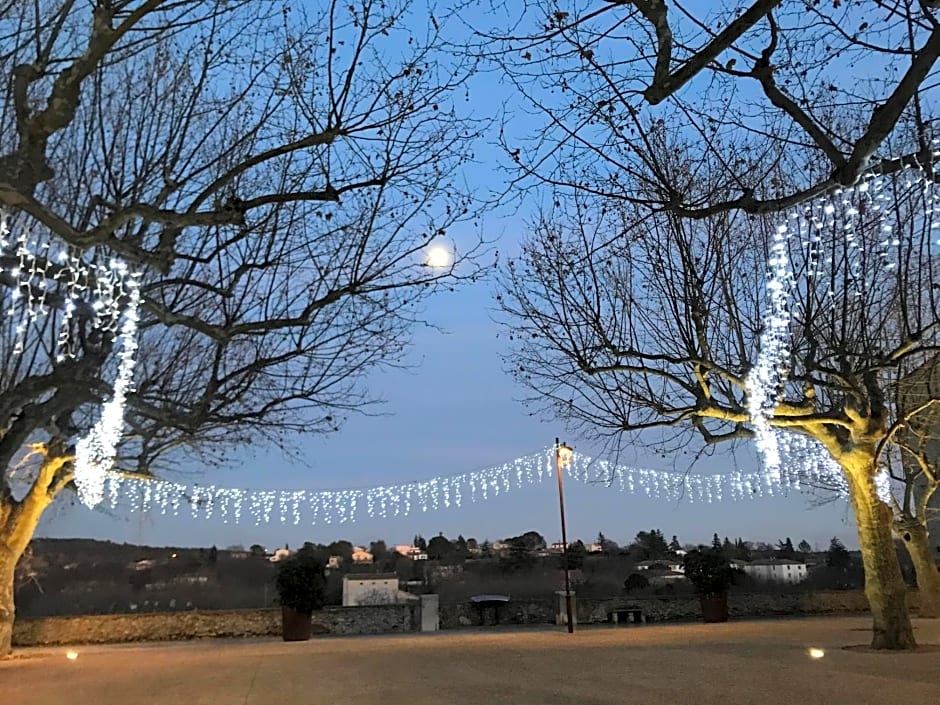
<point x="839" y="218"/>
<point x="317" y="507"/>
<point x="48" y="278"/>
<point x="94" y="453"/>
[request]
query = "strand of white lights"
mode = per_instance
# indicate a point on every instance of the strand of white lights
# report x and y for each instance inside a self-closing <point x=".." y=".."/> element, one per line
<point x="805" y="464"/>
<point x="325" y="506"/>
<point x="94" y="453"/>
<point x="764" y="380"/>
<point x="832" y="234"/>
<point x="317" y="507"/>
<point x="47" y="277"/>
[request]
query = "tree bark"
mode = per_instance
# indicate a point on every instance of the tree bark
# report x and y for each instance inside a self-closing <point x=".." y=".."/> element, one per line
<point x="18" y="522"/>
<point x="7" y="605"/>
<point x="884" y="583"/>
<point x="917" y="543"/>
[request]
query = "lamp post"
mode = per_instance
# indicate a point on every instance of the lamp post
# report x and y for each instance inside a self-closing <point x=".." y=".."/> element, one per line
<point x="562" y="460"/>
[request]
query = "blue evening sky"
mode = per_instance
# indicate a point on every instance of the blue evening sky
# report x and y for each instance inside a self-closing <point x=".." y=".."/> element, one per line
<point x="455" y="410"/>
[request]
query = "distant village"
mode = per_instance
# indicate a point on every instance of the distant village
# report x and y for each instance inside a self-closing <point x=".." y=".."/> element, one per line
<point x="81" y="576"/>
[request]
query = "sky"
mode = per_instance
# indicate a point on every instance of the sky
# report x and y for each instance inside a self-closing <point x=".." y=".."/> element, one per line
<point x="454" y="410"/>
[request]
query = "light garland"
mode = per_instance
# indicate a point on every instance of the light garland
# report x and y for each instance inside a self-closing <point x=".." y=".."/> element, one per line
<point x="325" y="506"/>
<point x="768" y="374"/>
<point x="94" y="453"/>
<point x="839" y="212"/>
<point x="44" y="277"/>
<point x="344" y="506"/>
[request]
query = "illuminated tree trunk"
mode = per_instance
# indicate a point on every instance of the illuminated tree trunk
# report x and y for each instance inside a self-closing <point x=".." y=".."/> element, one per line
<point x="7" y="606"/>
<point x="18" y="522"/>
<point x="884" y="583"/>
<point x="917" y="543"/>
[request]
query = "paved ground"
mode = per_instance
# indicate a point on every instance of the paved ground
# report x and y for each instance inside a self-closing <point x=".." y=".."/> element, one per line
<point x="764" y="663"/>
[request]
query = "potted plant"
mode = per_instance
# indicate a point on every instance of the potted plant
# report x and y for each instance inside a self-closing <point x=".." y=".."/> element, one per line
<point x="300" y="587"/>
<point x="711" y="574"/>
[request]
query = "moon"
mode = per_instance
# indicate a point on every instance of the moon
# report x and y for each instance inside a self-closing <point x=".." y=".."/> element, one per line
<point x="439" y="257"/>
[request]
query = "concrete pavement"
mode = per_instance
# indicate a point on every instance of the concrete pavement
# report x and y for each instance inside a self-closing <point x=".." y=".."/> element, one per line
<point x="739" y="663"/>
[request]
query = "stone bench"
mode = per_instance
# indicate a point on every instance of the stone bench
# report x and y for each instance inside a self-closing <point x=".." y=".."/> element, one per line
<point x="627" y="615"/>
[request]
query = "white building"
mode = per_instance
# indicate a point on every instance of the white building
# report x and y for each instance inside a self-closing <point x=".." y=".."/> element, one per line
<point x="412" y="552"/>
<point x="777" y="570"/>
<point x="370" y="589"/>
<point x="672" y="564"/>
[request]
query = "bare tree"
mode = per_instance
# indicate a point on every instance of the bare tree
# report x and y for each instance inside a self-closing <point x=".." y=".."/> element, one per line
<point x="653" y="107"/>
<point x="741" y="82"/>
<point x="914" y="465"/>
<point x="628" y="321"/>
<point x="274" y="177"/>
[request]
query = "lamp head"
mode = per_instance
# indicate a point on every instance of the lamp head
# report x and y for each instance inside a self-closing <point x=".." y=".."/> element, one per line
<point x="565" y="453"/>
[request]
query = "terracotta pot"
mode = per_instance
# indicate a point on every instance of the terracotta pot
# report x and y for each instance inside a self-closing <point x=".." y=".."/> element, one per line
<point x="715" y="609"/>
<point x="295" y="626"/>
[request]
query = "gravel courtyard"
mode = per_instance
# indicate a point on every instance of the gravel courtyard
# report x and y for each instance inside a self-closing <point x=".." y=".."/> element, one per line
<point x="762" y="662"/>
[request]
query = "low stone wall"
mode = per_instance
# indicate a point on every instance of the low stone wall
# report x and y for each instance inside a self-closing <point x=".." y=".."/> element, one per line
<point x="175" y="626"/>
<point x="385" y="619"/>
<point x="662" y="609"/>
<point x="465" y="614"/>
<point x="671" y="609"/>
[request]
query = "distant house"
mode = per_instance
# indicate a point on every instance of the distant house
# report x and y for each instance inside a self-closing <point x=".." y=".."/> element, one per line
<point x="500" y="548"/>
<point x="671" y="564"/>
<point x="595" y="548"/>
<point x="361" y="589"/>
<point x="361" y="555"/>
<point x="777" y="570"/>
<point x="558" y="547"/>
<point x="279" y="555"/>
<point x="334" y="562"/>
<point x="412" y="552"/>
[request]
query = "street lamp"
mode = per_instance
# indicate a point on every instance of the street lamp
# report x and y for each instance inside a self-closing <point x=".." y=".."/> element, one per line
<point x="563" y="455"/>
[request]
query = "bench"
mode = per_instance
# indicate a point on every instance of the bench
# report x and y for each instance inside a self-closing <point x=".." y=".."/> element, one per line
<point x="627" y="615"/>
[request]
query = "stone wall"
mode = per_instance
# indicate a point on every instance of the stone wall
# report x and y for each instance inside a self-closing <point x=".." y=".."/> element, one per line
<point x="174" y="626"/>
<point x="664" y="609"/>
<point x="669" y="609"/>
<point x="465" y="614"/>
<point x="384" y="619"/>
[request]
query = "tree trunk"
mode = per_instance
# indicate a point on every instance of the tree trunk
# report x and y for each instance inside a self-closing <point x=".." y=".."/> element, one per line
<point x="7" y="607"/>
<point x="917" y="543"/>
<point x="884" y="583"/>
<point x="19" y="521"/>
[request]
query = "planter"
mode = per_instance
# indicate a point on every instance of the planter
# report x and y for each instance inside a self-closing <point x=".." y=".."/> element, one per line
<point x="715" y="609"/>
<point x="295" y="626"/>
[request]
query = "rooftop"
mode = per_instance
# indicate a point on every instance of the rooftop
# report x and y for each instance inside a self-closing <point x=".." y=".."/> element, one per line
<point x="370" y="576"/>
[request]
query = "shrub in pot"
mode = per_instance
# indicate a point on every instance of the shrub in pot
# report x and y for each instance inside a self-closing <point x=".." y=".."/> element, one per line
<point x="712" y="575"/>
<point x="300" y="587"/>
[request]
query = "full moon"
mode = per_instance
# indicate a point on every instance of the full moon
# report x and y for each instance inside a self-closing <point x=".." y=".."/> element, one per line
<point x="439" y="256"/>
